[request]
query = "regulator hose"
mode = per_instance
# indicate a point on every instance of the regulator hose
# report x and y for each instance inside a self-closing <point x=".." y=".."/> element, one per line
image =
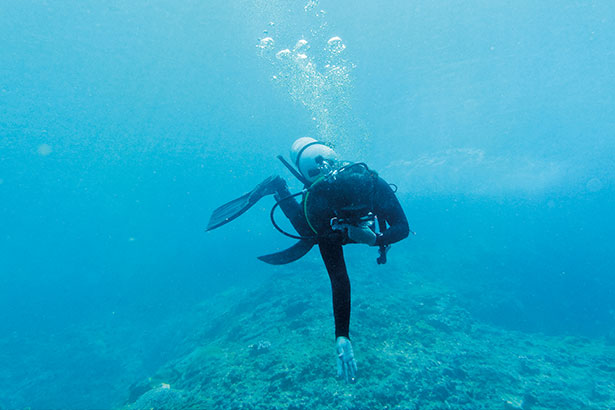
<point x="276" y="226"/>
<point x="306" y="192"/>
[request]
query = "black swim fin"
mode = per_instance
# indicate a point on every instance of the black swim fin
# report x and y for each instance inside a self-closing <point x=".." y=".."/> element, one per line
<point x="231" y="210"/>
<point x="289" y="255"/>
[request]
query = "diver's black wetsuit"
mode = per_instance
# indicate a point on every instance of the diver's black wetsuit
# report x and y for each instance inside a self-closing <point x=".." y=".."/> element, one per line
<point x="361" y="192"/>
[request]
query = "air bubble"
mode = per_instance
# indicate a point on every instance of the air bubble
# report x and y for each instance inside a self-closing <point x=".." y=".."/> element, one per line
<point x="594" y="185"/>
<point x="301" y="44"/>
<point x="335" y="45"/>
<point x="266" y="43"/>
<point x="311" y="5"/>
<point x="322" y="88"/>
<point x="44" y="149"/>
<point x="283" y="54"/>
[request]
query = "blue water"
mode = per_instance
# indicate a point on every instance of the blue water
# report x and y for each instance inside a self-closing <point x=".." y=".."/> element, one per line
<point x="122" y="126"/>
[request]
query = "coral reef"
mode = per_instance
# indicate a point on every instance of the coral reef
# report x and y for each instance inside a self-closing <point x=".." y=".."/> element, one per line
<point x="160" y="398"/>
<point x="416" y="348"/>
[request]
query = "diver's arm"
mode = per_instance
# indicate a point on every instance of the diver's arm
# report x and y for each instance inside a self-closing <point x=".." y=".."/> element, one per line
<point x="389" y="208"/>
<point x="333" y="256"/>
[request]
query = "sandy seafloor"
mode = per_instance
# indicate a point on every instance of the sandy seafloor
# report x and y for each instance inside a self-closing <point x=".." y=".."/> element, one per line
<point x="416" y="345"/>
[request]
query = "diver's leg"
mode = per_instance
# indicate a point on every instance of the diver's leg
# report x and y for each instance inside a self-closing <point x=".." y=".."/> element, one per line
<point x="333" y="256"/>
<point x="292" y="209"/>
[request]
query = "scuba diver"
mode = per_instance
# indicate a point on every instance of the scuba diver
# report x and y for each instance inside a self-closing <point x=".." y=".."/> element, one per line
<point x="341" y="203"/>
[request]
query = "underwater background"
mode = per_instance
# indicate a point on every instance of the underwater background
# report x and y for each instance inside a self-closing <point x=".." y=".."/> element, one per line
<point x="124" y="124"/>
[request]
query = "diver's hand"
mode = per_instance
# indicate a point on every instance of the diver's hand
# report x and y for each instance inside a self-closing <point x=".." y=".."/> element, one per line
<point x="346" y="365"/>
<point x="361" y="234"/>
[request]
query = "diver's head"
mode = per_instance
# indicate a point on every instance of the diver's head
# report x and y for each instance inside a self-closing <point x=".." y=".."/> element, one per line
<point x="312" y="158"/>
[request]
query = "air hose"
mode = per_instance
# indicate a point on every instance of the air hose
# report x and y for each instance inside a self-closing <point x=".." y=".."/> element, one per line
<point x="276" y="226"/>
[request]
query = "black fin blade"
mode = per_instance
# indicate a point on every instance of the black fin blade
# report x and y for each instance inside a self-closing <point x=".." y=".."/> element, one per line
<point x="231" y="210"/>
<point x="289" y="255"/>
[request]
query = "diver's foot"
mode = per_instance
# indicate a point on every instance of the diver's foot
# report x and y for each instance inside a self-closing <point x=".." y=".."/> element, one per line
<point x="270" y="186"/>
